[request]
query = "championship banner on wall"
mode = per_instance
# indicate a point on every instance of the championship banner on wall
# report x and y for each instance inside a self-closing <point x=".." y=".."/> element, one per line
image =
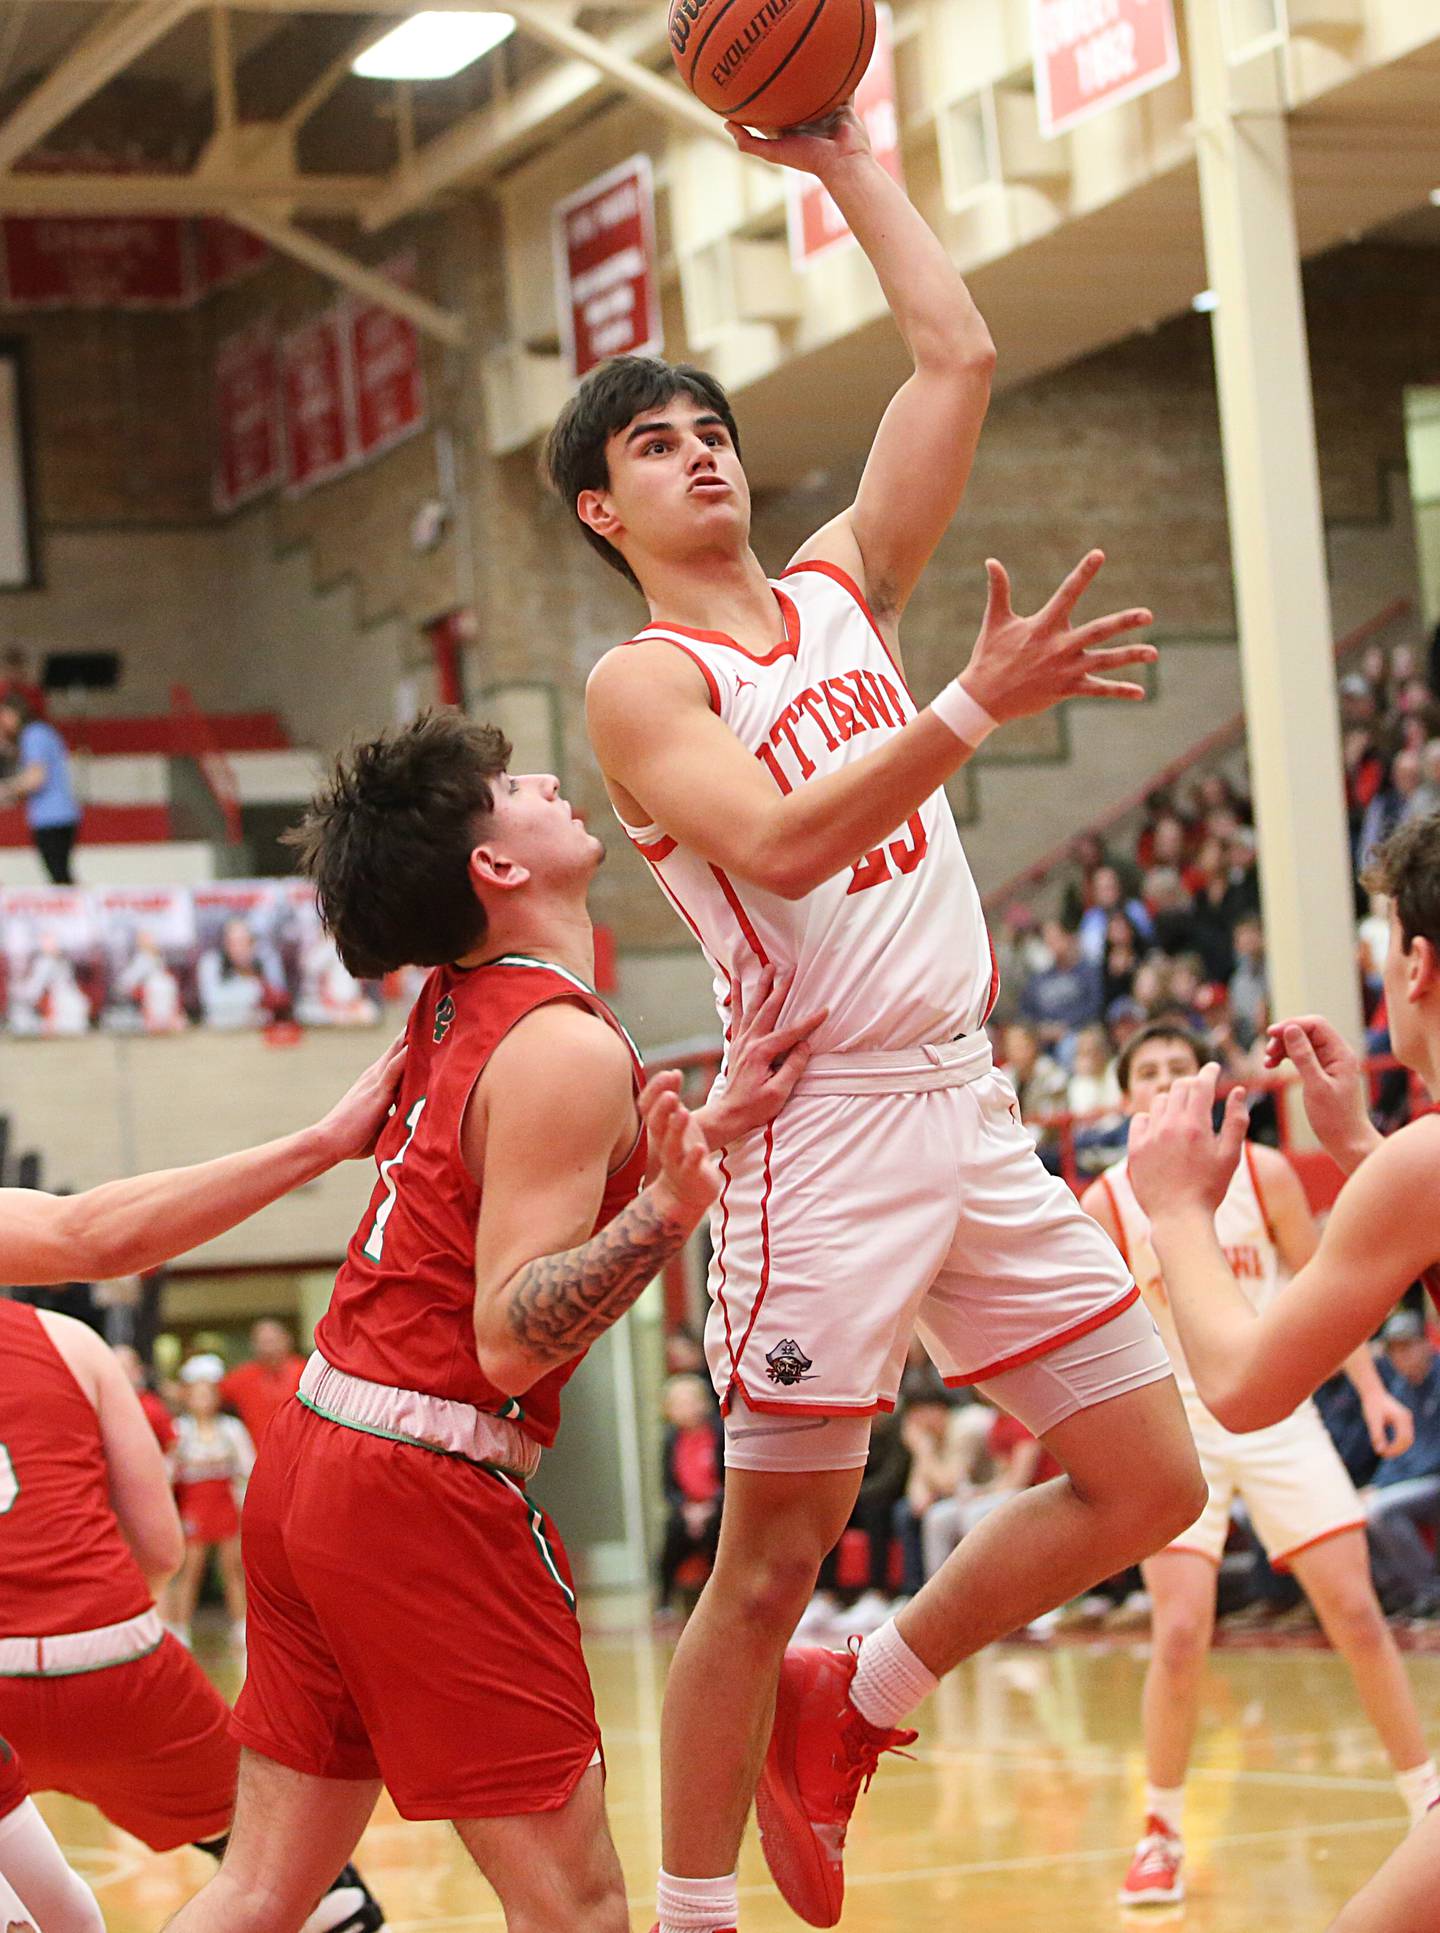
<point x="1091" y="55"/>
<point x="387" y="375"/>
<point x="816" y="226"/>
<point x="225" y="253"/>
<point x="607" y="288"/>
<point x="314" y="387"/>
<point x="247" y="417"/>
<point x="70" y="262"/>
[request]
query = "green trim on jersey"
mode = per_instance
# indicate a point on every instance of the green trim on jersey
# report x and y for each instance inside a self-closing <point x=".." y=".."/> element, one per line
<point x="394" y="1436"/>
<point x="83" y="1671"/>
<point x="542" y="1544"/>
<point x="549" y="966"/>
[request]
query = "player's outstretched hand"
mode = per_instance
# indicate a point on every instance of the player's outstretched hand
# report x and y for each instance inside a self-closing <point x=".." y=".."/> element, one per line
<point x="812" y="149"/>
<point x="1390" y="1423"/>
<point x="1024" y="665"/>
<point x="1175" y="1158"/>
<point x="765" y="1061"/>
<point x="1330" y="1081"/>
<point x="353" y="1125"/>
<point x="687" y="1179"/>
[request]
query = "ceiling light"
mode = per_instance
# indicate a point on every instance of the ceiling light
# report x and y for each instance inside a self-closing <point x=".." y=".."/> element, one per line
<point x="1206" y="302"/>
<point x="433" y="46"/>
<point x="1435" y="197"/>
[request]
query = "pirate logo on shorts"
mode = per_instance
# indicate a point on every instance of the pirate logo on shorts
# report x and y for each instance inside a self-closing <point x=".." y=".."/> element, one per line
<point x="444" y="1018"/>
<point x="787" y="1363"/>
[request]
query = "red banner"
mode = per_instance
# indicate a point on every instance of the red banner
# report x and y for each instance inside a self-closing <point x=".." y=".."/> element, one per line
<point x="318" y="441"/>
<point x="247" y="417"/>
<point x="1092" y="54"/>
<point x="816" y="225"/>
<point x="606" y="285"/>
<point x="386" y="370"/>
<point x="225" y="253"/>
<point x="70" y="262"/>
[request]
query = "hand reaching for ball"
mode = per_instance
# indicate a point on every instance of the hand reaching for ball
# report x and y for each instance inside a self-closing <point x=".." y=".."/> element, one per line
<point x="813" y="149"/>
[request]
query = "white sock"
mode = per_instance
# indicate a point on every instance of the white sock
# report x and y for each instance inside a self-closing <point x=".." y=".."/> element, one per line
<point x="1419" y="1788"/>
<point x="697" y="1905"/>
<point x="890" y="1681"/>
<point x="1167" y="1804"/>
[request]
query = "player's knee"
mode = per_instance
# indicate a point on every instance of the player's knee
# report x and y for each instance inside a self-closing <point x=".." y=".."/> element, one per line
<point x="1179" y="1643"/>
<point x="775" y="1587"/>
<point x="1177" y="1494"/>
<point x="592" y="1899"/>
<point x="1354" y="1621"/>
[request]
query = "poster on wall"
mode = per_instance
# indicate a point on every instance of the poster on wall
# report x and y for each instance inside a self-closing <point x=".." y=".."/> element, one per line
<point x="247" y="416"/>
<point x="314" y="388"/>
<point x="225" y="254"/>
<point x="386" y="371"/>
<point x="816" y="226"/>
<point x="1092" y="57"/>
<point x="607" y="288"/>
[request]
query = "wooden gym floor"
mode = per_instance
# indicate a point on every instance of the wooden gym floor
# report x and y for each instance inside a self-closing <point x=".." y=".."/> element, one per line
<point x="1017" y="1815"/>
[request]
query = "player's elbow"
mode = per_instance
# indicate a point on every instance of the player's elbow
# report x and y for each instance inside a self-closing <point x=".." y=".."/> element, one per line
<point x="963" y="350"/>
<point x="504" y="1361"/>
<point x="1241" y="1402"/>
<point x="93" y="1252"/>
<point x="158" y="1545"/>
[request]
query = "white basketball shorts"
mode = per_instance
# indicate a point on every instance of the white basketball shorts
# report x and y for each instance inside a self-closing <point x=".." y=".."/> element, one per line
<point x="895" y="1193"/>
<point x="1289" y="1477"/>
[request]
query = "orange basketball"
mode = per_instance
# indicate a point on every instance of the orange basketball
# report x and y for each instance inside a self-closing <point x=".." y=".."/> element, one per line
<point x="772" y="63"/>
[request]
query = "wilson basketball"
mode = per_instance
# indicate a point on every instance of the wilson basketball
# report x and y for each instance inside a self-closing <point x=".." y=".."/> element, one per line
<point x="772" y="63"/>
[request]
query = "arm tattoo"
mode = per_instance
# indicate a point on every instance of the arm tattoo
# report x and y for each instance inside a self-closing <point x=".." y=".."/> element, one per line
<point x="559" y="1304"/>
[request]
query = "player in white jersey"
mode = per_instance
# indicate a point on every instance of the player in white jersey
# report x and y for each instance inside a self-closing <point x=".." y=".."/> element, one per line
<point x="1289" y="1477"/>
<point x="761" y="747"/>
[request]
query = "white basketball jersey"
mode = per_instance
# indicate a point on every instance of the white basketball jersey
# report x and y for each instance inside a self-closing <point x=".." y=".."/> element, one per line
<point x="895" y="946"/>
<point x="1241" y="1229"/>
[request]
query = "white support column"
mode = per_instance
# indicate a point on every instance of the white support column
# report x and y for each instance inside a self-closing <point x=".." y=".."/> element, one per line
<point x="1277" y="533"/>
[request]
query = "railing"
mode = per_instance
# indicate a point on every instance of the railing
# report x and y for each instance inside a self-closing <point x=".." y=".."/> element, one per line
<point x="195" y="738"/>
<point x="1223" y="739"/>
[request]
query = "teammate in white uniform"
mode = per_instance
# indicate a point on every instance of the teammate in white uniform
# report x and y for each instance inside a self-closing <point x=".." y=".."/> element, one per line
<point x="761" y="748"/>
<point x="1289" y="1476"/>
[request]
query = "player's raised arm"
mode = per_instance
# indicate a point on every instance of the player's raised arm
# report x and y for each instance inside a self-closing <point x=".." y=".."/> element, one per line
<point x="1253" y="1370"/>
<point x="126" y="1227"/>
<point x="921" y="458"/>
<point x="656" y="736"/>
<point x="551" y="1117"/>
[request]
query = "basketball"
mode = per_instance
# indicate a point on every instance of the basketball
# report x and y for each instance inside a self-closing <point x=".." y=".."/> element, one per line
<point x="772" y="63"/>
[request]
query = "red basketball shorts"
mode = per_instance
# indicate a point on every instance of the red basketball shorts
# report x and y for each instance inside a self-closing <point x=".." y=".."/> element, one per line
<point x="146" y="1741"/>
<point x="208" y="1511"/>
<point x="14" y="1786"/>
<point x="409" y="1617"/>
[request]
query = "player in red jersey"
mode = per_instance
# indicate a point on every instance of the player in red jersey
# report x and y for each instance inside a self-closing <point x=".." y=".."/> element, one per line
<point x="96" y="1700"/>
<point x="1252" y="1368"/>
<point x="764" y="753"/>
<point x="411" y="1611"/>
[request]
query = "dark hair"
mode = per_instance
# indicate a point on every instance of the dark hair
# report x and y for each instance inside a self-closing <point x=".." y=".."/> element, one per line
<point x="1161" y="1029"/>
<point x="1406" y="868"/>
<point x="388" y="843"/>
<point x="609" y="398"/>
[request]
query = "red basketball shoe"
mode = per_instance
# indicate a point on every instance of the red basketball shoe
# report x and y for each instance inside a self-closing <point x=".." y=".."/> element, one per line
<point x="1154" y="1875"/>
<point x="821" y="1754"/>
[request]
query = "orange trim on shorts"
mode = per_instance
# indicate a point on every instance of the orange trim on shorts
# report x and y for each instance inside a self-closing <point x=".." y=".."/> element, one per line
<point x="1046" y="1348"/>
<point x="733" y="901"/>
<point x="764" y="1407"/>
<point x="1285" y="1559"/>
<point x="1184" y="1550"/>
<point x="738" y="1356"/>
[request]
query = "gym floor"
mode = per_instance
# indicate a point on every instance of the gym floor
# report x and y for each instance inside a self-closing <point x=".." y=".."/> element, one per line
<point x="1017" y="1813"/>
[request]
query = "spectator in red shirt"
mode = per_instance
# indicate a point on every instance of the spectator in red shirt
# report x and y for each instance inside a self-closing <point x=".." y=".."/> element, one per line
<point x="157" y="1413"/>
<point x="694" y="1479"/>
<point x="256" y="1389"/>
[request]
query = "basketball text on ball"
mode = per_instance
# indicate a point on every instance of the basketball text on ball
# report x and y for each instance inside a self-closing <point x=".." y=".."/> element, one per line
<point x="758" y="27"/>
<point x="682" y="22"/>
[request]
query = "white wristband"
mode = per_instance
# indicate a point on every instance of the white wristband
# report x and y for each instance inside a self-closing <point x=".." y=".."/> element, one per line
<point x="962" y="714"/>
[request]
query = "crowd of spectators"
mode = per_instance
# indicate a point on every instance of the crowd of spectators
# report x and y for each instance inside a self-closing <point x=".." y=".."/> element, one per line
<point x="1167" y="921"/>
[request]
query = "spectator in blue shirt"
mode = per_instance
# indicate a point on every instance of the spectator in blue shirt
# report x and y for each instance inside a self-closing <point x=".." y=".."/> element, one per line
<point x="1066" y="996"/>
<point x="1404" y="1497"/>
<point x="41" y="780"/>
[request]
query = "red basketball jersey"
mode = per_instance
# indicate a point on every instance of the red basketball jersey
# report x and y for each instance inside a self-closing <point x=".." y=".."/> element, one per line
<point x="64" y="1565"/>
<point x="403" y="1308"/>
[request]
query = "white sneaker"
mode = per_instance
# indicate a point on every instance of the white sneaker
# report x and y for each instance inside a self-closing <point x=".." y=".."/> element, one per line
<point x="819" y="1615"/>
<point x="865" y="1615"/>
